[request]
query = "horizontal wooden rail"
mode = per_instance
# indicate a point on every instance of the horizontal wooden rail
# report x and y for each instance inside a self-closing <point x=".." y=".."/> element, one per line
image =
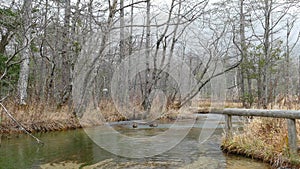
<point x="290" y="115"/>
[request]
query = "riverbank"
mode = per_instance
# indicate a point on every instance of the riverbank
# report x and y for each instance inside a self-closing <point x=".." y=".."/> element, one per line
<point x="265" y="139"/>
<point x="41" y="118"/>
<point x="75" y="149"/>
<point x="37" y="117"/>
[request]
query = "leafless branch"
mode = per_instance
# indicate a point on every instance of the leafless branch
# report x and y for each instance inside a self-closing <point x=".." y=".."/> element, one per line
<point x="19" y="124"/>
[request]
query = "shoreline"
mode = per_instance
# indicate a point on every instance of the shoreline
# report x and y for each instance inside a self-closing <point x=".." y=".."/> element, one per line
<point x="257" y="143"/>
<point x="264" y="139"/>
<point x="40" y="127"/>
<point x="68" y="122"/>
<point x="273" y="162"/>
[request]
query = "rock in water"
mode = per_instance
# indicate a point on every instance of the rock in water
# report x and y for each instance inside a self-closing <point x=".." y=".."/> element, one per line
<point x="153" y="125"/>
<point x="134" y="125"/>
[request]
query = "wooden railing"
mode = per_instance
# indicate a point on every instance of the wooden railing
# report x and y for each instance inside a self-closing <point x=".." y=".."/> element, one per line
<point x="290" y="115"/>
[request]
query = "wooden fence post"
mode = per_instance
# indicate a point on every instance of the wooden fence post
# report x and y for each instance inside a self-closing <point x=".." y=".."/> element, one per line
<point x="292" y="136"/>
<point x="228" y="127"/>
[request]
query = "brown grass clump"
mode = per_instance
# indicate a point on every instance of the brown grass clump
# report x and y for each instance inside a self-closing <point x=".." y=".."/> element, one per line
<point x="285" y="102"/>
<point x="38" y="118"/>
<point x="265" y="139"/>
<point x="209" y="103"/>
<point x="42" y="117"/>
<point x="109" y="112"/>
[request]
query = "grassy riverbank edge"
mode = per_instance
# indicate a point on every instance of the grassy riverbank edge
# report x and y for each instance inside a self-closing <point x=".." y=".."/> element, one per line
<point x="40" y="123"/>
<point x="36" y="119"/>
<point x="264" y="139"/>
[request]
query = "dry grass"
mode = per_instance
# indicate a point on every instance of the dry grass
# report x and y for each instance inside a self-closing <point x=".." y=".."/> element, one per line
<point x="105" y="112"/>
<point x="109" y="111"/>
<point x="285" y="102"/>
<point x="265" y="139"/>
<point x="38" y="118"/>
<point x="209" y="103"/>
<point x="42" y="118"/>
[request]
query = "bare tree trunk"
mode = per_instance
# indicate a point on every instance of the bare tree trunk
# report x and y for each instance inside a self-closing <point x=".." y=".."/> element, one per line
<point x="259" y="86"/>
<point x="241" y="84"/>
<point x="130" y="50"/>
<point x="267" y="33"/>
<point x="89" y="75"/>
<point x="131" y="30"/>
<point x="243" y="52"/>
<point x="25" y="55"/>
<point x="66" y="56"/>
<point x="122" y="36"/>
<point x="287" y="58"/>
<point x="90" y="11"/>
<point x="173" y="42"/>
<point x="299" y="79"/>
<point x="146" y="101"/>
<point x="249" y="84"/>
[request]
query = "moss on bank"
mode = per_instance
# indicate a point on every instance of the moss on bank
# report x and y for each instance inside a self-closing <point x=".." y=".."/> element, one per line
<point x="265" y="139"/>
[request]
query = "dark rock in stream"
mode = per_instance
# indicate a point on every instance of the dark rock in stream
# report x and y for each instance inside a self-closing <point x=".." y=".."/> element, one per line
<point x="153" y="125"/>
<point x="134" y="125"/>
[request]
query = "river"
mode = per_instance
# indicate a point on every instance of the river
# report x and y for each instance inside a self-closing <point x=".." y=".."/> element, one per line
<point x="75" y="149"/>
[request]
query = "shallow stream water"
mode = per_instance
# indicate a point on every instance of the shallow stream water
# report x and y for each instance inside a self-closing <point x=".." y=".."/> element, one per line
<point x="75" y="149"/>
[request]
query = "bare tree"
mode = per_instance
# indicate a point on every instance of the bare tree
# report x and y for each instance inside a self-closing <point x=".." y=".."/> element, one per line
<point x="25" y="56"/>
<point x="289" y="49"/>
<point x="267" y="16"/>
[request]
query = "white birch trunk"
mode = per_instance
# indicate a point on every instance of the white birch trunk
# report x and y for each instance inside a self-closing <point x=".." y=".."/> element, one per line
<point x="24" y="67"/>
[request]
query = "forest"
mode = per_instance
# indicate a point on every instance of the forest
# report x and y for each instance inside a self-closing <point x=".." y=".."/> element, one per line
<point x="145" y="59"/>
<point x="42" y="44"/>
